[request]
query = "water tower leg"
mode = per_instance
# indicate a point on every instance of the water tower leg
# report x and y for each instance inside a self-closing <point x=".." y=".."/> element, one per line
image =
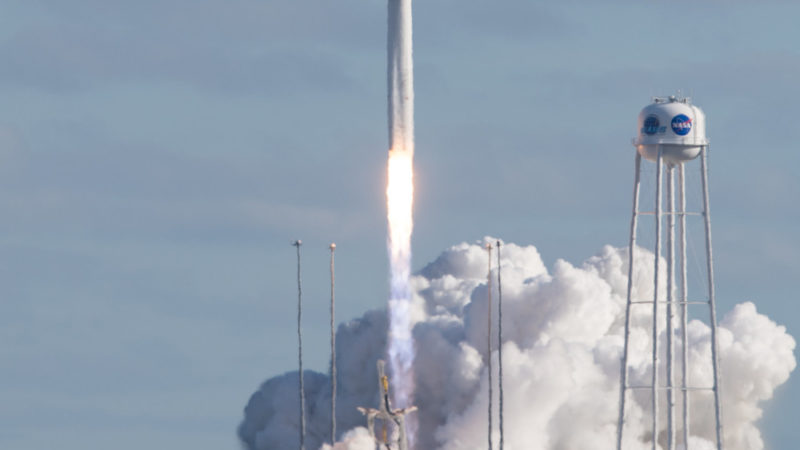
<point x="711" y="300"/>
<point x="654" y="391"/>
<point x="670" y="309"/>
<point x="685" y="307"/>
<point x="623" y="377"/>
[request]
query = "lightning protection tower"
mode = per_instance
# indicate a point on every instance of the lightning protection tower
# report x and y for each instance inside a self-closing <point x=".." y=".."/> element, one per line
<point x="671" y="134"/>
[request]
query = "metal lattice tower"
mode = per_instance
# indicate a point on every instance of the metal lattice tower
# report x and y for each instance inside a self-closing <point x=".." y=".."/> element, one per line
<point x="671" y="134"/>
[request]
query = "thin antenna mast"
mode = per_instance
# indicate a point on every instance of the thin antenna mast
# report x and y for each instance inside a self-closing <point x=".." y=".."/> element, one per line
<point x="489" y="334"/>
<point x="297" y="244"/>
<point x="333" y="346"/>
<point x="500" y="338"/>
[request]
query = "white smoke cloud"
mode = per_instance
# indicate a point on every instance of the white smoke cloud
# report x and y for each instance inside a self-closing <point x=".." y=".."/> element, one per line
<point x="561" y="358"/>
<point x="355" y="439"/>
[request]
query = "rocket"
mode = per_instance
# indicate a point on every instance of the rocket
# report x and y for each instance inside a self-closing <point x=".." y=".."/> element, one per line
<point x="399" y="202"/>
<point x="386" y="414"/>
<point x="400" y="77"/>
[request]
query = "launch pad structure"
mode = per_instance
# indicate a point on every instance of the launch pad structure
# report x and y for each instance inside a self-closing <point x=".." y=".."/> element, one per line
<point x="671" y="133"/>
<point x="394" y="418"/>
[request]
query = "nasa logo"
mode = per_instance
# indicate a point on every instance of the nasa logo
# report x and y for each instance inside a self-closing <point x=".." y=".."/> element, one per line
<point x="651" y="125"/>
<point x="681" y="125"/>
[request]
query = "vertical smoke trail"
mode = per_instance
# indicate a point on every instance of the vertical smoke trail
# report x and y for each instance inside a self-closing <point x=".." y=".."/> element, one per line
<point x="399" y="198"/>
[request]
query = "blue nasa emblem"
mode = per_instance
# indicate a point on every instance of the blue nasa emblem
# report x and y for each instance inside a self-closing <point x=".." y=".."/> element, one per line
<point x="651" y="125"/>
<point x="681" y="125"/>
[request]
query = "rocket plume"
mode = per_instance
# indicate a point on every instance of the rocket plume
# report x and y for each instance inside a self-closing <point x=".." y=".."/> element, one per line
<point x="563" y="331"/>
<point x="399" y="198"/>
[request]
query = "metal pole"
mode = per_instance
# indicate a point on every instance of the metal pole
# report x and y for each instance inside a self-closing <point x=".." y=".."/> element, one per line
<point x="489" y="335"/>
<point x="371" y="426"/>
<point x="403" y="439"/>
<point x="500" y="338"/>
<point x="297" y="244"/>
<point x="670" y="300"/>
<point x="685" y="308"/>
<point x="333" y="346"/>
<point x="654" y="392"/>
<point x="711" y="298"/>
<point x="631" y="246"/>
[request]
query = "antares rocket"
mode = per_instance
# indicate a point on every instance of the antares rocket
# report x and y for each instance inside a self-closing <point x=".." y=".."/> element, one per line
<point x="401" y="77"/>
<point x="400" y="198"/>
<point x="399" y="202"/>
<point x="387" y="415"/>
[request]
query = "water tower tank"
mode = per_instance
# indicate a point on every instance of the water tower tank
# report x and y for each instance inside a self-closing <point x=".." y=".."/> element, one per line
<point x="674" y="125"/>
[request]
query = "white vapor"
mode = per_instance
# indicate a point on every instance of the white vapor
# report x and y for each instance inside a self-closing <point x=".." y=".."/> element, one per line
<point x="562" y="346"/>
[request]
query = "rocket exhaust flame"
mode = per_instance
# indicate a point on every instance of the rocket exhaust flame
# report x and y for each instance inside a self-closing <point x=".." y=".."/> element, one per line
<point x="399" y="199"/>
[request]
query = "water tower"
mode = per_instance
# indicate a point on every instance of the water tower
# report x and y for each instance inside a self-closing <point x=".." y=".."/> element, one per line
<point x="671" y="134"/>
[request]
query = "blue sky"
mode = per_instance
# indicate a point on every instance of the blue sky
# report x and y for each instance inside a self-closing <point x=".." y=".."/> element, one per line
<point x="156" y="159"/>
